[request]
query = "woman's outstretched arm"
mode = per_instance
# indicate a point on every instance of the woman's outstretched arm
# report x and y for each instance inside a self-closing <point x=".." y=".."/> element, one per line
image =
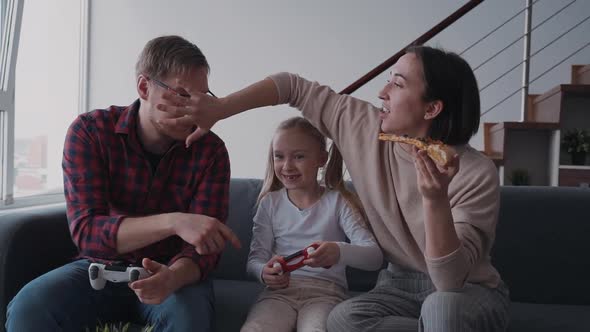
<point x="204" y="111"/>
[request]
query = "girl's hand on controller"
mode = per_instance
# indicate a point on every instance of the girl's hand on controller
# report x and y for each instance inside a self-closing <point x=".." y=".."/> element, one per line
<point x="326" y="255"/>
<point x="157" y="287"/>
<point x="272" y="277"/>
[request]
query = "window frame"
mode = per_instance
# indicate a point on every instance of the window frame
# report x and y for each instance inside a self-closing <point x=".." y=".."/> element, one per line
<point x="7" y="117"/>
<point x="11" y="22"/>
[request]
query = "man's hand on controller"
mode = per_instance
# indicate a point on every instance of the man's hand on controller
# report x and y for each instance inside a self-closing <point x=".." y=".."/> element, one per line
<point x="158" y="286"/>
<point x="326" y="255"/>
<point x="207" y="234"/>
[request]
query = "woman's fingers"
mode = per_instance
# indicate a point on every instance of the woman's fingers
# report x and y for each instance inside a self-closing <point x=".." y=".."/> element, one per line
<point x="182" y="121"/>
<point x="175" y="99"/>
<point x="421" y="167"/>
<point x="196" y="135"/>
<point x="429" y="165"/>
<point x="175" y="111"/>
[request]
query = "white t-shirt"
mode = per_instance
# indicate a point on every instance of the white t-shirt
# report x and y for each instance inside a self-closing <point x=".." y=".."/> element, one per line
<point x="281" y="228"/>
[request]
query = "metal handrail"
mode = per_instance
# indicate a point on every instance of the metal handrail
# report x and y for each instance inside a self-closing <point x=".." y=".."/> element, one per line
<point x="560" y="62"/>
<point x="418" y="41"/>
<point x="519" y="38"/>
<point x="454" y="17"/>
<point x="542" y="74"/>
<point x="536" y="78"/>
<point x="496" y="29"/>
<point x="535" y="53"/>
<point x="526" y="67"/>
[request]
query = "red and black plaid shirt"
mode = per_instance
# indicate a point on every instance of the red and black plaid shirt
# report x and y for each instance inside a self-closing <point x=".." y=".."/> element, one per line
<point x="107" y="177"/>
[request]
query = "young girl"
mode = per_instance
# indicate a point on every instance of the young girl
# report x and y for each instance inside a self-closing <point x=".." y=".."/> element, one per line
<point x="294" y="212"/>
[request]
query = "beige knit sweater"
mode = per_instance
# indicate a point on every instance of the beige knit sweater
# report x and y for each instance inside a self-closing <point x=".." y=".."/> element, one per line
<point x="384" y="177"/>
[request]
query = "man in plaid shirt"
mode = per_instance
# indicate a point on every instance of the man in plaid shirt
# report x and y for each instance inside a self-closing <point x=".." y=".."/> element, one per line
<point x="135" y="193"/>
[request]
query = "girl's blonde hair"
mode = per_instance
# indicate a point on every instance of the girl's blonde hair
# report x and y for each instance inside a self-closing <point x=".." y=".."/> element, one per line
<point x="332" y="176"/>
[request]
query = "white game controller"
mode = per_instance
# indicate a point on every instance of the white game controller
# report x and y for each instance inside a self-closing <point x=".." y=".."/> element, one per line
<point x="101" y="273"/>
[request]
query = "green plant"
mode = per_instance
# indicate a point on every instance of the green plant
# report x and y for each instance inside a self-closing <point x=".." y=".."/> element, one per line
<point x="520" y="177"/>
<point x="576" y="140"/>
<point x="120" y="327"/>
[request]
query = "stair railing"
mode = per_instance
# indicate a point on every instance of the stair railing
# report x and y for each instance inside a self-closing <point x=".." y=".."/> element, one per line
<point x="527" y="56"/>
<point x="418" y="41"/>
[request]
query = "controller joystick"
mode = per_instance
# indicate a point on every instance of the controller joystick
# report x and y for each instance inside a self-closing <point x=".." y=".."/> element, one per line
<point x="99" y="274"/>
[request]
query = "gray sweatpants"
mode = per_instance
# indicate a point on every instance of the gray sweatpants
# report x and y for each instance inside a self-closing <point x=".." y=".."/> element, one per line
<point x="407" y="301"/>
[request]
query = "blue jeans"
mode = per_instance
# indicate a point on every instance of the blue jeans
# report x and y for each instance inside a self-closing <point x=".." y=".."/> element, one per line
<point x="63" y="300"/>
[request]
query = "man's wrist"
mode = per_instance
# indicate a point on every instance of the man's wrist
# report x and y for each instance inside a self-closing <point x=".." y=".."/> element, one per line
<point x="175" y="279"/>
<point x="172" y="222"/>
<point x="185" y="271"/>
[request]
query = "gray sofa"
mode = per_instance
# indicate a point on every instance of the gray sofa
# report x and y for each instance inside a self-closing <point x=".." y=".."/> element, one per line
<point x="541" y="251"/>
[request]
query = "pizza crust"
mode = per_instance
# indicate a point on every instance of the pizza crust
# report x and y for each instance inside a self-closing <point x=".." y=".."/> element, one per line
<point x="436" y="150"/>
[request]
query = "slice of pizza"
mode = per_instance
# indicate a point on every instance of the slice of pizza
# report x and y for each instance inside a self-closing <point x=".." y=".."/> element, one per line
<point x="436" y="150"/>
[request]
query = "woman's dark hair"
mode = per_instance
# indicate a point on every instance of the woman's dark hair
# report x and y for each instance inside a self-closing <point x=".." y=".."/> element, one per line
<point x="449" y="78"/>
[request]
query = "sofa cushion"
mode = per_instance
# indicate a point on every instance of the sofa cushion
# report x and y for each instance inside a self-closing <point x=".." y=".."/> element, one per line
<point x="233" y="299"/>
<point x="242" y="200"/>
<point x="548" y="317"/>
<point x="32" y="241"/>
<point x="540" y="248"/>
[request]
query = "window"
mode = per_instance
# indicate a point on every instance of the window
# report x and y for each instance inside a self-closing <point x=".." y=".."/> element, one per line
<point x="46" y="89"/>
<point x="10" y="14"/>
<point x="2" y="9"/>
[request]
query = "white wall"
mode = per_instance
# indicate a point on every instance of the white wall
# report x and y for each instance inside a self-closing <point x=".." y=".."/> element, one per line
<point x="332" y="41"/>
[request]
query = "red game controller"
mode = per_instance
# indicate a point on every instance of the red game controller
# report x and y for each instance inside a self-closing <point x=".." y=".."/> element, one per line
<point x="295" y="260"/>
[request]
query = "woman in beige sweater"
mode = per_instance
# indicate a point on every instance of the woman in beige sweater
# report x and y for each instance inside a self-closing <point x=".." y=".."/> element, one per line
<point x="436" y="225"/>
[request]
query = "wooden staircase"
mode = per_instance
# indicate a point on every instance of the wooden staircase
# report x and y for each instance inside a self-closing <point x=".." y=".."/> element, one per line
<point x="534" y="145"/>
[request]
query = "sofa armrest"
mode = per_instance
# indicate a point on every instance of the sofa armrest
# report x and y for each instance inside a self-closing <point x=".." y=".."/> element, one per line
<point x="541" y="244"/>
<point x="32" y="242"/>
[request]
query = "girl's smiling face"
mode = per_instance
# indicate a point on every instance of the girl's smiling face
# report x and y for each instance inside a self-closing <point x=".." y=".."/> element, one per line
<point x="297" y="158"/>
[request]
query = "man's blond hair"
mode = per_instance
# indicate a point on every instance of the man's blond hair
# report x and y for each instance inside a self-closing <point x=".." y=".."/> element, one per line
<point x="169" y="55"/>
